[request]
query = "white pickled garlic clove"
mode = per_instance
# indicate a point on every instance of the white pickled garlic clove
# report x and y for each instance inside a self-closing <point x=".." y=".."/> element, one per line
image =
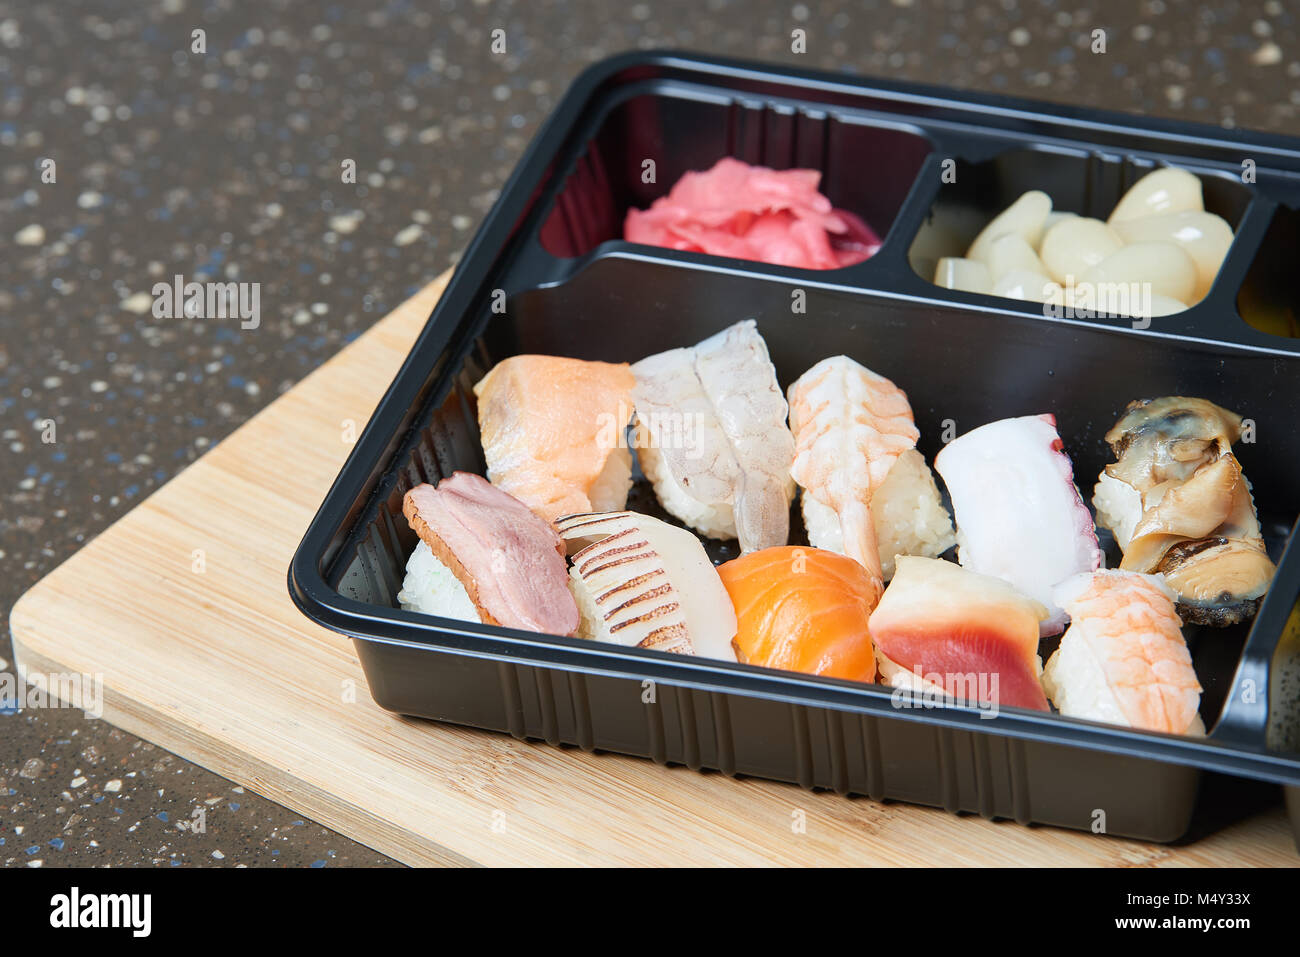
<point x="1011" y="251"/>
<point x="1164" y="191"/>
<point x="1075" y="245"/>
<point x="1025" y="216"/>
<point x="1054" y="217"/>
<point x="1120" y="300"/>
<point x="1203" y="236"/>
<point x="1030" y="286"/>
<point x="1163" y="306"/>
<point x="965" y="274"/>
<point x="1147" y="268"/>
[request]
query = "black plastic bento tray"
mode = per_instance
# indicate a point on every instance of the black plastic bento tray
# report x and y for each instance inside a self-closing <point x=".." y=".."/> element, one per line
<point x="551" y="251"/>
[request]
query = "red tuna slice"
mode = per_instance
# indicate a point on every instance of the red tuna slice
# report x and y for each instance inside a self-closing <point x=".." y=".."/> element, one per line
<point x="961" y="631"/>
<point x="754" y="213"/>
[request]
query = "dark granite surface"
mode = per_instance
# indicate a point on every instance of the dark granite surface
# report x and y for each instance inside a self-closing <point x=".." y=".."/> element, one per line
<point x="226" y="165"/>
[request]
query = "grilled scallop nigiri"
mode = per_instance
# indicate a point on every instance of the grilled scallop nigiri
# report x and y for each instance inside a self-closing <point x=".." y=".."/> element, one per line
<point x="1123" y="659"/>
<point x="644" y="583"/>
<point x="712" y="439"/>
<point x="855" y="438"/>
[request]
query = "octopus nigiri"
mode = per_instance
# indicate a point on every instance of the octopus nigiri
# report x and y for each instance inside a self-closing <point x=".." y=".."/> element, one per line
<point x="973" y="636"/>
<point x="802" y="609"/>
<point x="1019" y="515"/>
<point x="1179" y="505"/>
<point x="1123" y="659"/>
<point x="711" y="437"/>
<point x="867" y="491"/>
<point x="553" y="432"/>
<point x="644" y="583"/>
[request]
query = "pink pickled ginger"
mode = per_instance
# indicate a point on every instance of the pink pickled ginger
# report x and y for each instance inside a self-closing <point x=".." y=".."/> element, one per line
<point x="752" y="212"/>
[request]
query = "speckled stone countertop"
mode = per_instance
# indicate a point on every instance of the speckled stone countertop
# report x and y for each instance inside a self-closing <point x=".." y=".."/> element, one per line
<point x="226" y="165"/>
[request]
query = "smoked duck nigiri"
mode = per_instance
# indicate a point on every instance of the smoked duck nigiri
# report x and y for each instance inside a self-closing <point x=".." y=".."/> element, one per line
<point x="973" y="636"/>
<point x="712" y="439"/>
<point x="644" y="583"/>
<point x="1123" y="659"/>
<point x="802" y="609"/>
<point x="1019" y="515"/>
<point x="867" y="492"/>
<point x="483" y="556"/>
<point x="553" y="432"/>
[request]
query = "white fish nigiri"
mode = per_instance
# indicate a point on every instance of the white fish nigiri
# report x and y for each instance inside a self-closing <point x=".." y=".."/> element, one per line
<point x="867" y="492"/>
<point x="643" y="583"/>
<point x="1123" y="659"/>
<point x="1019" y="515"/>
<point x="711" y="437"/>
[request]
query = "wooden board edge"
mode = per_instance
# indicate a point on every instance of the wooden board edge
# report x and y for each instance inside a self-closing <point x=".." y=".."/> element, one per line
<point x="258" y="776"/>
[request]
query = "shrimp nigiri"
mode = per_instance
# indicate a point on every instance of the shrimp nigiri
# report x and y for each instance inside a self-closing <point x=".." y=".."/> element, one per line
<point x="1123" y="659"/>
<point x="802" y="609"/>
<point x="867" y="492"/>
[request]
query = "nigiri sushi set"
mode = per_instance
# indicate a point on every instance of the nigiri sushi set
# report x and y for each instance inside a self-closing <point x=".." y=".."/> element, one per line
<point x="705" y="470"/>
<point x="553" y="430"/>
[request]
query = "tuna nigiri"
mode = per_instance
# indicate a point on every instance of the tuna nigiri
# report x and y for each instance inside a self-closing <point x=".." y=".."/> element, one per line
<point x="712" y="439"/>
<point x="867" y="492"/>
<point x="974" y="636"/>
<point x="1019" y="515"/>
<point x="507" y="563"/>
<point x="553" y="432"/>
<point x="802" y="609"/>
<point x="644" y="583"/>
<point x="1123" y="659"/>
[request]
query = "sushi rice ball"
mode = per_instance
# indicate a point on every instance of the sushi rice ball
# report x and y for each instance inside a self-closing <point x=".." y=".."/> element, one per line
<point x="431" y="589"/>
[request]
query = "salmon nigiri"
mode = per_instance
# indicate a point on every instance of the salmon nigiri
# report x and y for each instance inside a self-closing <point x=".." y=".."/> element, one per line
<point x="973" y="636"/>
<point x="1123" y="659"/>
<point x="802" y="609"/>
<point x="867" y="492"/>
<point x="553" y="432"/>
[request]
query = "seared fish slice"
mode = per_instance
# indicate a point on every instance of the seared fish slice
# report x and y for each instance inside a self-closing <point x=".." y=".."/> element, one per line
<point x="553" y="432"/>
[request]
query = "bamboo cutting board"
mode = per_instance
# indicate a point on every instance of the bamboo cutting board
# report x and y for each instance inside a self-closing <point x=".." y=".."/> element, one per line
<point x="209" y="658"/>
